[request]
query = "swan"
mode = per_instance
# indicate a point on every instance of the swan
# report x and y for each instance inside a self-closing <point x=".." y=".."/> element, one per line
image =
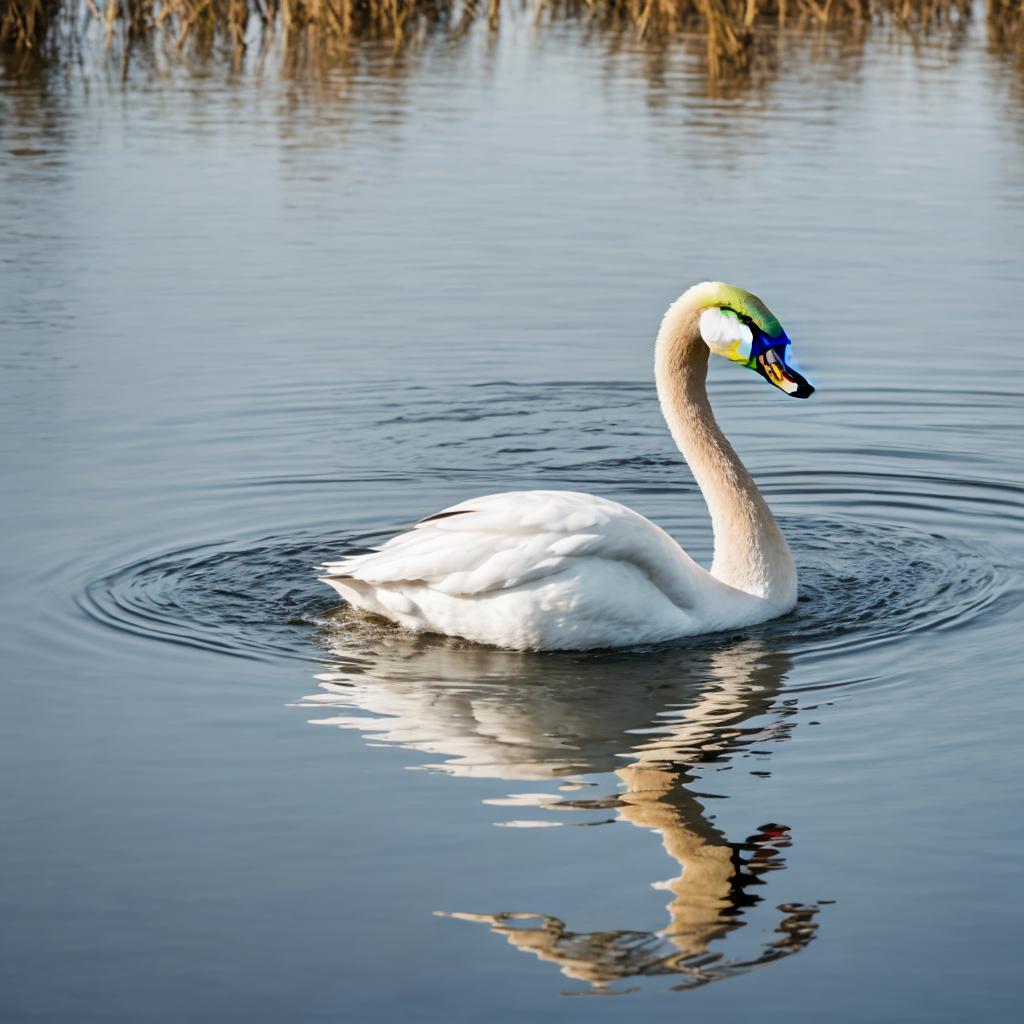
<point x="561" y="570"/>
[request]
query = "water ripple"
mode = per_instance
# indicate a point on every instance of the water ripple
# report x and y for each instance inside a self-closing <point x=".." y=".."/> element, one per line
<point x="862" y="584"/>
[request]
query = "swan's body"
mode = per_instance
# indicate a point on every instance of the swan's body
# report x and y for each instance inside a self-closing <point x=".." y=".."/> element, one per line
<point x="559" y="570"/>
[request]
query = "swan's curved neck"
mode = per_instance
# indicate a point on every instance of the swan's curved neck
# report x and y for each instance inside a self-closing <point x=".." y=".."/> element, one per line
<point x="750" y="551"/>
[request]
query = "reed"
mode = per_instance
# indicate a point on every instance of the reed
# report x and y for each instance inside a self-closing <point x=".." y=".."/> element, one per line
<point x="1006" y="29"/>
<point x="734" y="32"/>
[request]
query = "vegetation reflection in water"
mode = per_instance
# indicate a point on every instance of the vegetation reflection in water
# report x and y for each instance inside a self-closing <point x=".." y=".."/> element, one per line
<point x="523" y="717"/>
<point x="737" y="42"/>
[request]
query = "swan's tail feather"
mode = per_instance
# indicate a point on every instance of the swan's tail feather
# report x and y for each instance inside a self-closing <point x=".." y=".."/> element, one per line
<point x="356" y="592"/>
<point x="368" y="597"/>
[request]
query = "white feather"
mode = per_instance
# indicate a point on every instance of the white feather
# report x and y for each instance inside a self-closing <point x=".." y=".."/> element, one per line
<point x="542" y="569"/>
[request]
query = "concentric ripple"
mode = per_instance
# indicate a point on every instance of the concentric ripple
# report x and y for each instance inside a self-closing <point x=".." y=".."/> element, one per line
<point x="251" y="600"/>
<point x="861" y="584"/>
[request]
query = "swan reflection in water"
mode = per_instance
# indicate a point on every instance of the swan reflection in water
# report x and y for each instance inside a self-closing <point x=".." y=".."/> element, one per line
<point x="646" y="719"/>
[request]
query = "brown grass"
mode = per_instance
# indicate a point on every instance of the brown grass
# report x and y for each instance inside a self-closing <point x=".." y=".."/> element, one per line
<point x="734" y="32"/>
<point x="1006" y="29"/>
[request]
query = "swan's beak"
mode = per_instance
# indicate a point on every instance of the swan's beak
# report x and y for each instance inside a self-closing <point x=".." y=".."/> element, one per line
<point x="771" y="363"/>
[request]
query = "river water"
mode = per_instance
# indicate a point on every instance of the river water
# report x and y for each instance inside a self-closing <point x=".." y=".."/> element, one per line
<point x="253" y="322"/>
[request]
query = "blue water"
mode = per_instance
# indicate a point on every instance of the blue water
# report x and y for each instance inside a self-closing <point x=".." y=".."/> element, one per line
<point x="251" y="323"/>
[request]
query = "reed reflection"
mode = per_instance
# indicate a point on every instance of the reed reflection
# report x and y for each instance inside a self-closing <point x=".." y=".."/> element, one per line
<point x="651" y="723"/>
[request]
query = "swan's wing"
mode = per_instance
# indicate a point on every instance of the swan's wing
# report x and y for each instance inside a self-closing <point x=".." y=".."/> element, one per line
<point x="501" y="541"/>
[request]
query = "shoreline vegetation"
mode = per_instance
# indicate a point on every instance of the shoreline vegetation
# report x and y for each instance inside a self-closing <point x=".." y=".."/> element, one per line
<point x="732" y="36"/>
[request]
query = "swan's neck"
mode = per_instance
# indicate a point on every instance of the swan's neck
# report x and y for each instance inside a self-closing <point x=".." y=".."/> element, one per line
<point x="750" y="551"/>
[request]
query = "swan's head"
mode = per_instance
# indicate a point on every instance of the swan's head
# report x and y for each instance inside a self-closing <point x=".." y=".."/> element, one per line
<point x="739" y="326"/>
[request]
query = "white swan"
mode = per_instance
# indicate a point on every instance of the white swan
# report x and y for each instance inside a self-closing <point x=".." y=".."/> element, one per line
<point x="559" y="570"/>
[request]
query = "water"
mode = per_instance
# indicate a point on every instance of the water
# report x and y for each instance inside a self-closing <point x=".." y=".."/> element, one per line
<point x="249" y="325"/>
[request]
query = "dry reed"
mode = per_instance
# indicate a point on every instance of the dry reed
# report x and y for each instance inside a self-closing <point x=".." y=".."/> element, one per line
<point x="734" y="31"/>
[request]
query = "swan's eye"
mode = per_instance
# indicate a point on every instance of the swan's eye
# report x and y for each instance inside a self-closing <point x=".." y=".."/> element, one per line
<point x="726" y="334"/>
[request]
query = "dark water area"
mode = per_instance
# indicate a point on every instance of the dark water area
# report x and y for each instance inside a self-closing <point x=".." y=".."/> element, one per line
<point x="251" y="323"/>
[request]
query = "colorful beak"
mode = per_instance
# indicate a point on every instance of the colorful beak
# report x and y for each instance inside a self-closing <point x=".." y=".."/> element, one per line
<point x="768" y="358"/>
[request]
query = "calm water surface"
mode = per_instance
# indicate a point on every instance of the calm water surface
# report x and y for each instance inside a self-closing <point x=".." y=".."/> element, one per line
<point x="248" y="325"/>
